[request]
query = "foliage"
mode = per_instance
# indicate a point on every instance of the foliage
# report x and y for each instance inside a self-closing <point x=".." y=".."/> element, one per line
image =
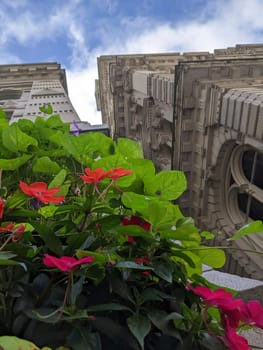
<point x="104" y="265"/>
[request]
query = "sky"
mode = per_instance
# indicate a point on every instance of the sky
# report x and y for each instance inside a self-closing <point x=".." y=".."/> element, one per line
<point x="75" y="32"/>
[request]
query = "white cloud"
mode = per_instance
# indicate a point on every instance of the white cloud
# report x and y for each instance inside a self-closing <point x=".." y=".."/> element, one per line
<point x="232" y="22"/>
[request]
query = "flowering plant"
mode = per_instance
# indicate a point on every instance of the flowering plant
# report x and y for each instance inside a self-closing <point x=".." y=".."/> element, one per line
<point x="94" y="253"/>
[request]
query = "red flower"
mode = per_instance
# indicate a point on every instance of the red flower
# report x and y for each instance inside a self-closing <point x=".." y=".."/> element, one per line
<point x="94" y="176"/>
<point x="41" y="192"/>
<point x="18" y="233"/>
<point x="1" y="208"/>
<point x="224" y="300"/>
<point x="116" y="173"/>
<point x="235" y="341"/>
<point x="8" y="228"/>
<point x="142" y="260"/>
<point x="252" y="313"/>
<point x="66" y="263"/>
<point x="135" y="220"/>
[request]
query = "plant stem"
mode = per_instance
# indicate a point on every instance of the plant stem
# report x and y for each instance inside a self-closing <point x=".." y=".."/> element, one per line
<point x="5" y="242"/>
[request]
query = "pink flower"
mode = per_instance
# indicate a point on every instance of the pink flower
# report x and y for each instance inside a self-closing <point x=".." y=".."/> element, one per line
<point x="94" y="176"/>
<point x="220" y="298"/>
<point x="65" y="263"/>
<point x="1" y="208"/>
<point x="116" y="173"/>
<point x="235" y="341"/>
<point x="41" y="192"/>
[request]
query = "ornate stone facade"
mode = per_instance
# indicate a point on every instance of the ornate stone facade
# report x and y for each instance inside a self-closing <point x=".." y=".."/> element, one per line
<point x="26" y="87"/>
<point x="201" y="113"/>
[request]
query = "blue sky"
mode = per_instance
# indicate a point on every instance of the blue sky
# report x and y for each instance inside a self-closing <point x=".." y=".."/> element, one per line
<point x="75" y="32"/>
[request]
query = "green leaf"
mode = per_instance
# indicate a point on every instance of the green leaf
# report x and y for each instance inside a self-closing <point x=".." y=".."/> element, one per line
<point x="191" y="261"/>
<point x="14" y="163"/>
<point x="52" y="242"/>
<point x="58" y="179"/>
<point x="46" y="165"/>
<point x="16" y="140"/>
<point x="166" y="185"/>
<point x="131" y="265"/>
<point x="213" y="257"/>
<point x="47" y="109"/>
<point x="140" y="326"/>
<point x="14" y="343"/>
<point x="137" y="202"/>
<point x="164" y="269"/>
<point x="251" y="228"/>
<point x="3" y="120"/>
<point x="108" y="307"/>
<point x="99" y="258"/>
<point x="81" y="338"/>
<point x="207" y="235"/>
<point x="5" y="255"/>
<point x="48" y="211"/>
<point x="129" y="148"/>
<point x="163" y="215"/>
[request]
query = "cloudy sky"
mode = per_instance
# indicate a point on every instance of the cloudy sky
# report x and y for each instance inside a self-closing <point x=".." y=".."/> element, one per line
<point x="75" y="32"/>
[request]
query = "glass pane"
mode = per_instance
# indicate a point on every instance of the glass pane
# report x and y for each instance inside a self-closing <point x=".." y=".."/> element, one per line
<point x="258" y="178"/>
<point x="247" y="165"/>
<point x="255" y="208"/>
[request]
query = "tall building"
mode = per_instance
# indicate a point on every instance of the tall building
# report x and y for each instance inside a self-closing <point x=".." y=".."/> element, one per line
<point x="26" y="87"/>
<point x="201" y="113"/>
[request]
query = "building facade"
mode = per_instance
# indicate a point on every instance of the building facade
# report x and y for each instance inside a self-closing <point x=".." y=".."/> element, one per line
<point x="26" y="87"/>
<point x="201" y="113"/>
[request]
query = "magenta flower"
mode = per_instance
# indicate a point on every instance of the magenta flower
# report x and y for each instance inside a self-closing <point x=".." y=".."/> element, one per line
<point x="66" y="263"/>
<point x="1" y="208"/>
<point x="220" y="298"/>
<point x="252" y="313"/>
<point x="235" y="341"/>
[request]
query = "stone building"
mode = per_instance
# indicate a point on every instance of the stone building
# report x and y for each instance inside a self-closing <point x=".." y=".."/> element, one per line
<point x="202" y="113"/>
<point x="26" y="87"/>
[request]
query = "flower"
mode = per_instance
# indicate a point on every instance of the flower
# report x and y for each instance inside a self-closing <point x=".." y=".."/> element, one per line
<point x="1" y="208"/>
<point x="235" y="341"/>
<point x="116" y="173"/>
<point x="65" y="263"/>
<point x="220" y="298"/>
<point x="8" y="228"/>
<point x="252" y="313"/>
<point x="137" y="221"/>
<point x="18" y="233"/>
<point x="142" y="260"/>
<point x="41" y="192"/>
<point x="94" y="176"/>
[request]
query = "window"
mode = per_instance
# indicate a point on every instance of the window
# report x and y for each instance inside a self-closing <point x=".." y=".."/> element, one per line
<point x="244" y="185"/>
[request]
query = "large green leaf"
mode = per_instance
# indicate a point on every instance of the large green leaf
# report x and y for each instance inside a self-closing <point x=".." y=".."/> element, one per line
<point x="3" y="120"/>
<point x="166" y="185"/>
<point x="129" y="148"/>
<point x="14" y="163"/>
<point x="211" y="256"/>
<point x="251" y="228"/>
<point x="14" y="343"/>
<point x="46" y="165"/>
<point x="131" y="265"/>
<point x="140" y="326"/>
<point x="163" y="215"/>
<point x="52" y="242"/>
<point x="16" y="140"/>
<point x="139" y="203"/>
